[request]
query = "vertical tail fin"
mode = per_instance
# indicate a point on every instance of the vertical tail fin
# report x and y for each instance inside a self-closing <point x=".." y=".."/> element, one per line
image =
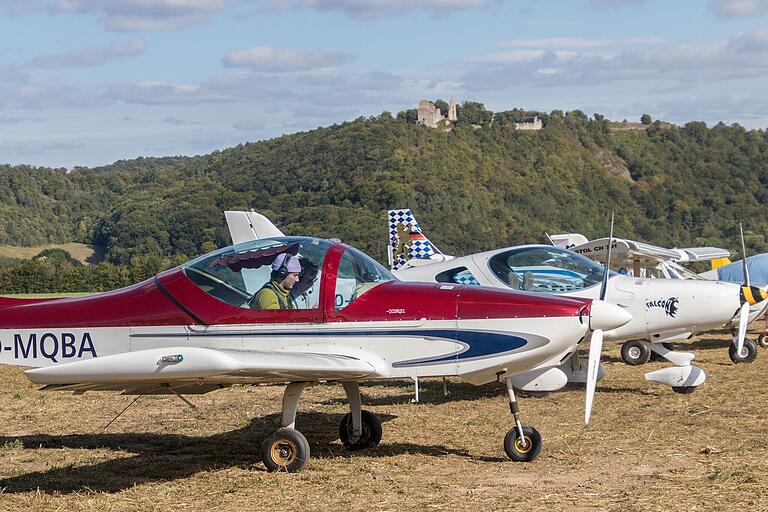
<point x="406" y="240"/>
<point x="249" y="226"/>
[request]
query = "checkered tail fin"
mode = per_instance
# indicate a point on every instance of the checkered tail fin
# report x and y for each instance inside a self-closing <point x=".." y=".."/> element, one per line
<point x="406" y="240"/>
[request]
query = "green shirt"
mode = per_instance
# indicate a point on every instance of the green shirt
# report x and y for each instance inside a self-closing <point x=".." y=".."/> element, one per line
<point x="267" y="297"/>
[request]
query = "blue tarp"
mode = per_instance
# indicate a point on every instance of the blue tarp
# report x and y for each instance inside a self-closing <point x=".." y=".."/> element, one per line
<point x="757" y="266"/>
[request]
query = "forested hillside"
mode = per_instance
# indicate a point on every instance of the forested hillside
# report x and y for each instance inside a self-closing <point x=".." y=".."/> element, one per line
<point x="471" y="188"/>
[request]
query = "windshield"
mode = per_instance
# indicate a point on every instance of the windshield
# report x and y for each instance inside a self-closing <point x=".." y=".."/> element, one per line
<point x="358" y="273"/>
<point x="235" y="274"/>
<point x="679" y="272"/>
<point x="545" y="269"/>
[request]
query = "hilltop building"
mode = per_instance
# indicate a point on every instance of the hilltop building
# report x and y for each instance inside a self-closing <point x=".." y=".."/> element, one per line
<point x="529" y="123"/>
<point x="429" y="115"/>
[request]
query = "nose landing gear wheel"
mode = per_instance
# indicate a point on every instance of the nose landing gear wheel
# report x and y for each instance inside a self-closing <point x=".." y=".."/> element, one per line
<point x="762" y="340"/>
<point x="371" y="431"/>
<point x="519" y="451"/>
<point x="748" y="352"/>
<point x="635" y="353"/>
<point x="285" y="450"/>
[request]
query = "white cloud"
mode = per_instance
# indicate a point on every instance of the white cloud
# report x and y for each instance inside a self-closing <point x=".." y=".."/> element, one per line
<point x="89" y="56"/>
<point x="579" y="42"/>
<point x="49" y="96"/>
<point x="368" y="9"/>
<point x="144" y="15"/>
<point x="175" y="121"/>
<point x="616" y="4"/>
<point x="738" y="8"/>
<point x="726" y="108"/>
<point x="273" y="60"/>
<point x="161" y="93"/>
<point x="743" y="55"/>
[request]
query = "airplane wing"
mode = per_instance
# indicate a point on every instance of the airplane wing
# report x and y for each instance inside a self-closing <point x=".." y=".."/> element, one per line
<point x="705" y="253"/>
<point x="180" y="369"/>
<point x="625" y="252"/>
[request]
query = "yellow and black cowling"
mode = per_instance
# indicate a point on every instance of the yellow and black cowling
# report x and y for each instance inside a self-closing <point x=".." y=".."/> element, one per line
<point x="753" y="294"/>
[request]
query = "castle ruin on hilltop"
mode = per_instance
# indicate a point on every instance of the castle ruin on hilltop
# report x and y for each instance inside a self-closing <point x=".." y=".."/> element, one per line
<point x="430" y="115"/>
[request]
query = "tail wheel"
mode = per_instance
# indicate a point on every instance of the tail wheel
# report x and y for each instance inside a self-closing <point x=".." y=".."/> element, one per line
<point x="371" y="431"/>
<point x="635" y="353"/>
<point x="520" y="451"/>
<point x="684" y="390"/>
<point x="285" y="450"/>
<point x="747" y="355"/>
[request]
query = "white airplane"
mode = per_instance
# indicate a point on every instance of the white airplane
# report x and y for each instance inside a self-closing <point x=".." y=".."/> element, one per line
<point x="645" y="260"/>
<point x="660" y="312"/>
<point x="195" y="328"/>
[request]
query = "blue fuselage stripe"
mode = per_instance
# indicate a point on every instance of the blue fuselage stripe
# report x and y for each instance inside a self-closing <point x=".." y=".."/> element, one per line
<point x="476" y="344"/>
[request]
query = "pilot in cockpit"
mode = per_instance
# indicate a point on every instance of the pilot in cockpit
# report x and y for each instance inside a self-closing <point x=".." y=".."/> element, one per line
<point x="276" y="294"/>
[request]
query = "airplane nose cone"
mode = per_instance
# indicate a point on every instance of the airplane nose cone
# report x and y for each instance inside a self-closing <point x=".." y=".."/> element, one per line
<point x="753" y="294"/>
<point x="607" y="316"/>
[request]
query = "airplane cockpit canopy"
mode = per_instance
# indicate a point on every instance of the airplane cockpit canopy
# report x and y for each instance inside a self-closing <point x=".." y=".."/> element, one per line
<point x="358" y="273"/>
<point x="545" y="269"/>
<point x="234" y="274"/>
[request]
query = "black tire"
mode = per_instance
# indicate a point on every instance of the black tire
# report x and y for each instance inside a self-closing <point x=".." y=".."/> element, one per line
<point x="635" y="353"/>
<point x="748" y="353"/>
<point x="515" y="451"/>
<point x="684" y="390"/>
<point x="370" y="437"/>
<point x="762" y="340"/>
<point x="285" y="450"/>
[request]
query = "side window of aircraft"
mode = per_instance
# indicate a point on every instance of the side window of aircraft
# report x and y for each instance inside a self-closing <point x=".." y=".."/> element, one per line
<point x="545" y="269"/>
<point x="358" y="273"/>
<point x="236" y="274"/>
<point x="459" y="275"/>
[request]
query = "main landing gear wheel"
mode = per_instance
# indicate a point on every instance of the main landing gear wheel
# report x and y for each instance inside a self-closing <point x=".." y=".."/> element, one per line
<point x="684" y="390"/>
<point x="747" y="355"/>
<point x="286" y="449"/>
<point x="635" y="353"/>
<point x="762" y="340"/>
<point x="519" y="450"/>
<point x="371" y="435"/>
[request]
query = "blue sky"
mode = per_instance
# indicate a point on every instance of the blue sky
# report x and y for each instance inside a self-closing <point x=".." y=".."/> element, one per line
<point x="89" y="82"/>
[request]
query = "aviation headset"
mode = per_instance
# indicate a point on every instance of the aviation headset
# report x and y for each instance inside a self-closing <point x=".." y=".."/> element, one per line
<point x="282" y="271"/>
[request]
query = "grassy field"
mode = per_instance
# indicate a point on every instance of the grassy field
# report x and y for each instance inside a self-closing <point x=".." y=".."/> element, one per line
<point x="646" y="449"/>
<point x="84" y="253"/>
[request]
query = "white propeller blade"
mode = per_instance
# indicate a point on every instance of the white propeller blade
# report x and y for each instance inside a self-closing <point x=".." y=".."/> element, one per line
<point x="743" y="319"/>
<point x="595" y="349"/>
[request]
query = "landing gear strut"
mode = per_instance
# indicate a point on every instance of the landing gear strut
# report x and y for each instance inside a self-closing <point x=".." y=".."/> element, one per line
<point x="522" y="444"/>
<point x="287" y="449"/>
<point x="359" y="429"/>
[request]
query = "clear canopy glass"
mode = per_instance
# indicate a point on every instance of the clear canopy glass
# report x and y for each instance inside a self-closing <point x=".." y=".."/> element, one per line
<point x="545" y="269"/>
<point x="234" y="274"/>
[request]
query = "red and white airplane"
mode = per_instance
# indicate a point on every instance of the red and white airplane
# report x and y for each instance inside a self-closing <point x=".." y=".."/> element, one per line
<point x="192" y="329"/>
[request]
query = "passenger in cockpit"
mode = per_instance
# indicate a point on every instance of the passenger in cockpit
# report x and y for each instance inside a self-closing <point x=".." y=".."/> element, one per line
<point x="300" y="293"/>
<point x="276" y="293"/>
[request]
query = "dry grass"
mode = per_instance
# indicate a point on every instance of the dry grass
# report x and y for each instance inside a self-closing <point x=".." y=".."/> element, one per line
<point x="82" y="252"/>
<point x="647" y="448"/>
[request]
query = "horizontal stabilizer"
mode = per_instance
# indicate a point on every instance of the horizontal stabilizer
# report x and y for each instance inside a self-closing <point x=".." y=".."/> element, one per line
<point x="185" y="363"/>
